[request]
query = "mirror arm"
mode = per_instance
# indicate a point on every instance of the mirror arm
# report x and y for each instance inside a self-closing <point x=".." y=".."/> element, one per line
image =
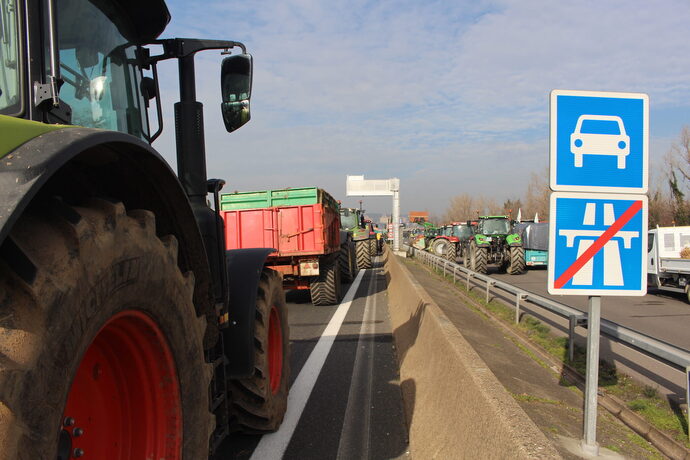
<point x="176" y="48"/>
<point x="159" y="110"/>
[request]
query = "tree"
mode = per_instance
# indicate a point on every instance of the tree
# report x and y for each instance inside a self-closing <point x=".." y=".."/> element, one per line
<point x="511" y="206"/>
<point x="677" y="171"/>
<point x="537" y="199"/>
<point x="460" y="208"/>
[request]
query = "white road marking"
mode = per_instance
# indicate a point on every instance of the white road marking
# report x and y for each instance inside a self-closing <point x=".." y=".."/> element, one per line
<point x="272" y="446"/>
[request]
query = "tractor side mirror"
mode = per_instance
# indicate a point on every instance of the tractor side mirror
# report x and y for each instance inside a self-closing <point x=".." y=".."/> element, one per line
<point x="236" y="89"/>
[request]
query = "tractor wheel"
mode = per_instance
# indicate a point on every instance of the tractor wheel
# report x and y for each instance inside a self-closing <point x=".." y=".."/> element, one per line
<point x="479" y="258"/>
<point x="451" y="253"/>
<point x="373" y="250"/>
<point x="363" y="254"/>
<point x="325" y="288"/>
<point x="347" y="266"/>
<point x="258" y="403"/>
<point x="517" y="260"/>
<point x="465" y="257"/>
<point x="102" y="350"/>
<point x="440" y="247"/>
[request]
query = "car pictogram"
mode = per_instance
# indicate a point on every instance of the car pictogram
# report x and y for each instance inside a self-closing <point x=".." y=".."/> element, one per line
<point x="600" y="135"/>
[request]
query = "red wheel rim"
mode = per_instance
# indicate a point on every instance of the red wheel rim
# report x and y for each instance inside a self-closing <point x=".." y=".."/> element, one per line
<point x="275" y="350"/>
<point x="125" y="395"/>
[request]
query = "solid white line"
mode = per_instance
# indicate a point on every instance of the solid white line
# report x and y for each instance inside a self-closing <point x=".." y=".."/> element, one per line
<point x="355" y="435"/>
<point x="273" y="445"/>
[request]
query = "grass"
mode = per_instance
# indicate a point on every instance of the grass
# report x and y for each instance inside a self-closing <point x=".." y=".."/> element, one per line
<point x="642" y="399"/>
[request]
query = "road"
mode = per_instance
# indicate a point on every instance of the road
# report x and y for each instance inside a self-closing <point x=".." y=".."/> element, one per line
<point x="345" y="400"/>
<point x="659" y="314"/>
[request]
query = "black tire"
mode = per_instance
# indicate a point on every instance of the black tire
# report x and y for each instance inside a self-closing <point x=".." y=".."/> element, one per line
<point x="517" y="260"/>
<point x="465" y="256"/>
<point x="325" y="288"/>
<point x="373" y="250"/>
<point x="479" y="258"/>
<point x="65" y="272"/>
<point x="363" y="254"/>
<point x="258" y="403"/>
<point x="346" y="265"/>
<point x="451" y="253"/>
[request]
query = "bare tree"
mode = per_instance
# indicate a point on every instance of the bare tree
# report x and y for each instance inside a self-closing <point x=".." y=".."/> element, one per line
<point x="460" y="208"/>
<point x="677" y="171"/>
<point x="537" y="199"/>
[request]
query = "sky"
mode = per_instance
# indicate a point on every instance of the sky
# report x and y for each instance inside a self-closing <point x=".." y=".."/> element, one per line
<point x="450" y="97"/>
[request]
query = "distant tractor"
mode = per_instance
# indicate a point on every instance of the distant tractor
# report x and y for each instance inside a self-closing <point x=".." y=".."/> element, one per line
<point x="362" y="232"/>
<point x="448" y="243"/>
<point x="495" y="243"/>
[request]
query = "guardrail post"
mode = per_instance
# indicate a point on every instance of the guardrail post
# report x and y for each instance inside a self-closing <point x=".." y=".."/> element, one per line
<point x="455" y="270"/>
<point x="445" y="263"/>
<point x="468" y="281"/>
<point x="518" y="297"/>
<point x="488" y="283"/>
<point x="573" y="322"/>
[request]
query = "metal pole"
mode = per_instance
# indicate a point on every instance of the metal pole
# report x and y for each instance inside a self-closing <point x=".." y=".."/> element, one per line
<point x="589" y="443"/>
<point x="396" y="214"/>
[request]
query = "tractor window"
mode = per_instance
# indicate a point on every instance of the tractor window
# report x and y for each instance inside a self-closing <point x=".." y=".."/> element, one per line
<point x="10" y="95"/>
<point x="495" y="227"/>
<point x="99" y="69"/>
<point x="348" y="219"/>
<point x="462" y="231"/>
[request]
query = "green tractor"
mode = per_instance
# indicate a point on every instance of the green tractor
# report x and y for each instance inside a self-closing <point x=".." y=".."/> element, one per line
<point x="362" y="234"/>
<point x="494" y="243"/>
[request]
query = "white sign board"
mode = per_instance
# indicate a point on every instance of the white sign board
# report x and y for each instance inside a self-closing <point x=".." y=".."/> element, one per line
<point x="358" y="186"/>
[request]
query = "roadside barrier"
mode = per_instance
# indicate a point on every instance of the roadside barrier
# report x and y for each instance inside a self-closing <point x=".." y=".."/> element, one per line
<point x="455" y="406"/>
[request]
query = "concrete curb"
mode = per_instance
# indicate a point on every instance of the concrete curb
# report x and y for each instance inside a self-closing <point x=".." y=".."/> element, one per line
<point x="455" y="406"/>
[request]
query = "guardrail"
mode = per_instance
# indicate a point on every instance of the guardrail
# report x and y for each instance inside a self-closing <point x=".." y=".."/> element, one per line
<point x="672" y="355"/>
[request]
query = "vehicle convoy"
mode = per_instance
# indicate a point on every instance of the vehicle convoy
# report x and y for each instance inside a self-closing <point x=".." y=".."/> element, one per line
<point x="352" y="221"/>
<point x="535" y="240"/>
<point x="302" y="224"/>
<point x="128" y="331"/>
<point x="494" y="242"/>
<point x="668" y="259"/>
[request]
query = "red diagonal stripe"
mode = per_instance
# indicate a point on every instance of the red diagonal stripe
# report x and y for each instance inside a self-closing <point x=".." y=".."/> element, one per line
<point x="598" y="244"/>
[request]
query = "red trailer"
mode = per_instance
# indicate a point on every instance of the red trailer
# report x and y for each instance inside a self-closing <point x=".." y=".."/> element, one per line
<point x="302" y="224"/>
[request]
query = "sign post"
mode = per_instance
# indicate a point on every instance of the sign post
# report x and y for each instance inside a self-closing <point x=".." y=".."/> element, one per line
<point x="599" y="158"/>
<point x="358" y="186"/>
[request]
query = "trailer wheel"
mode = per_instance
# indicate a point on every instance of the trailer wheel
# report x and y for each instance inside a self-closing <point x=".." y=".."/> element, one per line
<point x="325" y="289"/>
<point x="517" y="260"/>
<point x="478" y="258"/>
<point x="101" y="347"/>
<point x="259" y="402"/>
<point x="363" y="254"/>
<point x="348" y="268"/>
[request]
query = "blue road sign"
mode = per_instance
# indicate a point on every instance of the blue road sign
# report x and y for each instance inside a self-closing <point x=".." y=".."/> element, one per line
<point x="598" y="244"/>
<point x="599" y="141"/>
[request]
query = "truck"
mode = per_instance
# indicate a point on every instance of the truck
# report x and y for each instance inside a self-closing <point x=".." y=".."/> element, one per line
<point x="535" y="237"/>
<point x="128" y="330"/>
<point x="668" y="259"/>
<point x="495" y="242"/>
<point x="302" y="224"/>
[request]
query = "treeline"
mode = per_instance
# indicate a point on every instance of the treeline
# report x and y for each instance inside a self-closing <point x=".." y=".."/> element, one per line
<point x="669" y="190"/>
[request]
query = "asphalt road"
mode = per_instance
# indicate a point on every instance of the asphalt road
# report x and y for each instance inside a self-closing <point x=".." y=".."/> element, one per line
<point x="659" y="314"/>
<point x="345" y="400"/>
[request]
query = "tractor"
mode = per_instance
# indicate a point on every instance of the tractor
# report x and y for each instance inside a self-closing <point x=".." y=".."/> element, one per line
<point x="362" y="236"/>
<point x="494" y="242"/>
<point x="127" y="331"/>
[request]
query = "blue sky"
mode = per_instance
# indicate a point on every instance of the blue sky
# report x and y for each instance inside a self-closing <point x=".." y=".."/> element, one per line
<point x="449" y="96"/>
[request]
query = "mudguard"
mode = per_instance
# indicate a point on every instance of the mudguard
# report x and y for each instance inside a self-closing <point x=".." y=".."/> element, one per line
<point x="75" y="163"/>
<point x="480" y="241"/>
<point x="244" y="272"/>
<point x="514" y="240"/>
